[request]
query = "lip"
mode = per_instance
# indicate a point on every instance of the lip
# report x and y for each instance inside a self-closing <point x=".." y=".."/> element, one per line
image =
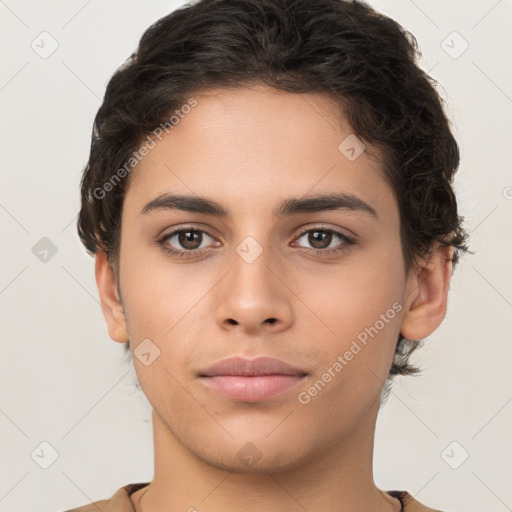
<point x="251" y="380"/>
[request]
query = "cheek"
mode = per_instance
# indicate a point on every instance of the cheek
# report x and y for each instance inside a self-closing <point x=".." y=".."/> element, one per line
<point x="161" y="306"/>
<point x="355" y="296"/>
<point x="157" y="293"/>
<point x="363" y="310"/>
<point x="361" y="307"/>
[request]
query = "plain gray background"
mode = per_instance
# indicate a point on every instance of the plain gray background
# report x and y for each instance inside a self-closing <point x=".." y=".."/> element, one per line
<point x="65" y="383"/>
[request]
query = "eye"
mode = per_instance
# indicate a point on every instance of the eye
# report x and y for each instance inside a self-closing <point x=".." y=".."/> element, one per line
<point x="321" y="240"/>
<point x="184" y="242"/>
<point x="189" y="242"/>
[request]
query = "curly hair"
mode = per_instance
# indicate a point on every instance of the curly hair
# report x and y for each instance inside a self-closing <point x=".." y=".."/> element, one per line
<point x="364" y="60"/>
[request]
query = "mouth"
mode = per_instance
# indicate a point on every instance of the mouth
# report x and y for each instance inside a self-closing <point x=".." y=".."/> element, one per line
<point x="253" y="380"/>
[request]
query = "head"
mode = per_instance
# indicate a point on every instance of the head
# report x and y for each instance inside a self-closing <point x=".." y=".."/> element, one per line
<point x="248" y="104"/>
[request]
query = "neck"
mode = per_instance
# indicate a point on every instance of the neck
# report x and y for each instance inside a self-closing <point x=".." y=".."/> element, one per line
<point x="338" y="480"/>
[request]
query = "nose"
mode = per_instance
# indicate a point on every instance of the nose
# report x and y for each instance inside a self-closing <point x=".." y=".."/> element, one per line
<point x="254" y="297"/>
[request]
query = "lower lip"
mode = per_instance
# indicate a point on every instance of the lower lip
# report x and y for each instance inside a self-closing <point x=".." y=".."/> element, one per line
<point x="252" y="389"/>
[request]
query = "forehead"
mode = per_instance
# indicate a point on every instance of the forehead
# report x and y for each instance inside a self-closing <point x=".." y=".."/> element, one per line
<point x="256" y="145"/>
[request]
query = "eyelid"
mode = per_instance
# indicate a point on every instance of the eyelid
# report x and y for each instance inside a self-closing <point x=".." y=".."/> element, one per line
<point x="193" y="226"/>
<point x="324" y="227"/>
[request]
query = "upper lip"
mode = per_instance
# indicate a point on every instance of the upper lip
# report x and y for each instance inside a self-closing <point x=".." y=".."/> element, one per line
<point x="251" y="367"/>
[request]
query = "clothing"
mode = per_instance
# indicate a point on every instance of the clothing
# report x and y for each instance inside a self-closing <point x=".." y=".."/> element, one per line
<point x="120" y="501"/>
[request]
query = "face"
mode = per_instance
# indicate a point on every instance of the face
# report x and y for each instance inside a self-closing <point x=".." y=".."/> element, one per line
<point x="318" y="286"/>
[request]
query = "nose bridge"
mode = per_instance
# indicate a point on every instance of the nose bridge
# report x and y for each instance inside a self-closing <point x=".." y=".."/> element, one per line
<point x="253" y="251"/>
<point x="251" y="296"/>
<point x="251" y="260"/>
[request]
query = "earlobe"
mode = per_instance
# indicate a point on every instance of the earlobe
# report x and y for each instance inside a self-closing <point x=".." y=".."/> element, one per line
<point x="111" y="304"/>
<point x="427" y="294"/>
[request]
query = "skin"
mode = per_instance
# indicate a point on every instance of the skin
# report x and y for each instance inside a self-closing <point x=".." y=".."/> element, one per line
<point x="248" y="149"/>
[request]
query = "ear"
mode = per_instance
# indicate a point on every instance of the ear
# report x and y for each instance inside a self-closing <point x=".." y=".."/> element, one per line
<point x="111" y="304"/>
<point x="427" y="294"/>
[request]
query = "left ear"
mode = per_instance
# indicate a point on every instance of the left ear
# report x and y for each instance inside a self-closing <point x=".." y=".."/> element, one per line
<point x="427" y="293"/>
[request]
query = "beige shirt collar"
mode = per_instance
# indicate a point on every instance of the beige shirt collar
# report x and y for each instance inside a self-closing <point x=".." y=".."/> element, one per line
<point x="120" y="501"/>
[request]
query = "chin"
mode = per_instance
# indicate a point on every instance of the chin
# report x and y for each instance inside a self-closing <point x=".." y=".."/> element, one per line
<point x="257" y="463"/>
<point x="257" y="453"/>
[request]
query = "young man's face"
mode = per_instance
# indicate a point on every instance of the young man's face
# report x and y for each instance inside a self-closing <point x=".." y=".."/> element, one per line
<point x="255" y="287"/>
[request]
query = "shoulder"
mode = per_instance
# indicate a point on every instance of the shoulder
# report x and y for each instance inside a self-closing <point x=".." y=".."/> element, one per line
<point x="119" y="502"/>
<point x="410" y="504"/>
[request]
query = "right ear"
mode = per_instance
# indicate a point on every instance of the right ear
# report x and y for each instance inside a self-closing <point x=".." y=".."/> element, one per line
<point x="111" y="304"/>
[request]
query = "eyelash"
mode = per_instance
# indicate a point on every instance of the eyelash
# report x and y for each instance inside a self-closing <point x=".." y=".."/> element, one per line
<point x="347" y="241"/>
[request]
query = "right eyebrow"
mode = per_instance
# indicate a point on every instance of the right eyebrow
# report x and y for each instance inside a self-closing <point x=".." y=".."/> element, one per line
<point x="185" y="203"/>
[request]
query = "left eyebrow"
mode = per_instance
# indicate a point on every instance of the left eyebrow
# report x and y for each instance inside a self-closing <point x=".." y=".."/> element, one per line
<point x="323" y="202"/>
<point x="288" y="207"/>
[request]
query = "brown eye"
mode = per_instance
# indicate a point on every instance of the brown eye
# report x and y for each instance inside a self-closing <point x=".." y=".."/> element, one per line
<point x="189" y="239"/>
<point x="185" y="242"/>
<point x="319" y="239"/>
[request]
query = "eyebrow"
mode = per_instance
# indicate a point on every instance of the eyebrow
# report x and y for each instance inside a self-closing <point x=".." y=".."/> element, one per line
<point x="288" y="207"/>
